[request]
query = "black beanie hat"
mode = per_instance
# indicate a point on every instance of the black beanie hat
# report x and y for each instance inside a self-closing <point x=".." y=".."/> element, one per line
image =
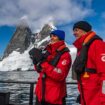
<point x="83" y="25"/>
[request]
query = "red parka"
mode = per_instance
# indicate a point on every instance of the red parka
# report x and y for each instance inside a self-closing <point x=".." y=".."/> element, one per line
<point x="94" y="85"/>
<point x="55" y="82"/>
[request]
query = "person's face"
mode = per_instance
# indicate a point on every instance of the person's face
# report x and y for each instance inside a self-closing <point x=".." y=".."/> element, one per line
<point x="78" y="33"/>
<point x="54" y="38"/>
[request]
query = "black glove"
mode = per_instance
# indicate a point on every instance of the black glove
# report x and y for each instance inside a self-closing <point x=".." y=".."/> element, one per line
<point x="38" y="67"/>
<point x="36" y="55"/>
<point x="45" y="54"/>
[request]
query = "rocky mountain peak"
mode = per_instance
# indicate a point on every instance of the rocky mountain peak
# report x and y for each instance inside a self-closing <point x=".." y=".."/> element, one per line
<point x="45" y="31"/>
<point x="23" y="37"/>
<point x="20" y="40"/>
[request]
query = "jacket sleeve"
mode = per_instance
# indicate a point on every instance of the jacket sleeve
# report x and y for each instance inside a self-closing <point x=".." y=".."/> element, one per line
<point x="100" y="65"/>
<point x="100" y="56"/>
<point x="58" y="73"/>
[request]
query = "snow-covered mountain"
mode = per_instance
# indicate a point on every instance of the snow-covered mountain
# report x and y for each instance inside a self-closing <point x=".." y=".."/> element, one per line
<point x="20" y="40"/>
<point x="20" y="60"/>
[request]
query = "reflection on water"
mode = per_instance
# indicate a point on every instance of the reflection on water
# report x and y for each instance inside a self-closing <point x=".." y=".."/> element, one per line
<point x="19" y="93"/>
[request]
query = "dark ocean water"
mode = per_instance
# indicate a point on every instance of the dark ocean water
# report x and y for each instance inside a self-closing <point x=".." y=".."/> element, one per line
<point x="19" y="93"/>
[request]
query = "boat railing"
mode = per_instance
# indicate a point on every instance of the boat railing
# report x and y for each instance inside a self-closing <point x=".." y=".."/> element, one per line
<point x="31" y="83"/>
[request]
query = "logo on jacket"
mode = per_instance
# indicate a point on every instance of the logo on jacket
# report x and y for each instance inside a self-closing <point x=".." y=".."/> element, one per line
<point x="58" y="70"/>
<point x="64" y="62"/>
<point x="103" y="57"/>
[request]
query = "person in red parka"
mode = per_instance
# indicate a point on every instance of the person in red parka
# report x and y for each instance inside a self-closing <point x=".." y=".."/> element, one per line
<point x="92" y="84"/>
<point x="51" y="86"/>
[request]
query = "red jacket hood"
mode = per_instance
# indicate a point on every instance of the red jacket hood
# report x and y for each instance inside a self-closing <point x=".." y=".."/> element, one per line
<point x="53" y="47"/>
<point x="78" y="42"/>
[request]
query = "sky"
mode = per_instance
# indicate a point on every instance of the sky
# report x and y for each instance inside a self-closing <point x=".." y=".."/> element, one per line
<point x="62" y="13"/>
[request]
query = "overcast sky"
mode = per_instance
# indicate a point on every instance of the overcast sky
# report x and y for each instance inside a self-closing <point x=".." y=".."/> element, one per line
<point x="38" y="12"/>
<point x="62" y="13"/>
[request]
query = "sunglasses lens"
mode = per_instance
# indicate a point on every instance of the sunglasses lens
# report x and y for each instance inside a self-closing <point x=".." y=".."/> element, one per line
<point x="52" y="35"/>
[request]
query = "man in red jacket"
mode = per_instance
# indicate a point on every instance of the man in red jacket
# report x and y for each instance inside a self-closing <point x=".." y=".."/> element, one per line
<point x="91" y="82"/>
<point x="51" y="85"/>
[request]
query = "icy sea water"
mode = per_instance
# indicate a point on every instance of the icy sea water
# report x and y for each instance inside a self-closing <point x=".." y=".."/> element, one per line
<point x="19" y="93"/>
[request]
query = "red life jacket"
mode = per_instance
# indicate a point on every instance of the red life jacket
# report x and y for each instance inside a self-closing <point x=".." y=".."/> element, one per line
<point x="81" y="59"/>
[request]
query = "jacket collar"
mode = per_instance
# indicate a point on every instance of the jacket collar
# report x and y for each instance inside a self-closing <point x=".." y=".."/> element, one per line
<point x="52" y="48"/>
<point x="79" y="42"/>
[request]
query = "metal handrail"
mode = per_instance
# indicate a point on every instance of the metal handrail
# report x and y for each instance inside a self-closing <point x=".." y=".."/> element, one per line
<point x="31" y="86"/>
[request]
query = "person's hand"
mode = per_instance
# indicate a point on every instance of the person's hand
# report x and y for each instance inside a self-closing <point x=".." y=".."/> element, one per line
<point x="36" y="55"/>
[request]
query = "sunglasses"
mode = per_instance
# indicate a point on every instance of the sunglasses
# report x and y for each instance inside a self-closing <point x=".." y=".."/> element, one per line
<point x="53" y="35"/>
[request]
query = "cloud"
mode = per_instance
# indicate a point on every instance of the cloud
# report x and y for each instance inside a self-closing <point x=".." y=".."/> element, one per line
<point x="39" y="12"/>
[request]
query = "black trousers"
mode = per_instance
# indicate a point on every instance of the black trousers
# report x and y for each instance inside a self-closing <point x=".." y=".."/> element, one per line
<point x="45" y="103"/>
